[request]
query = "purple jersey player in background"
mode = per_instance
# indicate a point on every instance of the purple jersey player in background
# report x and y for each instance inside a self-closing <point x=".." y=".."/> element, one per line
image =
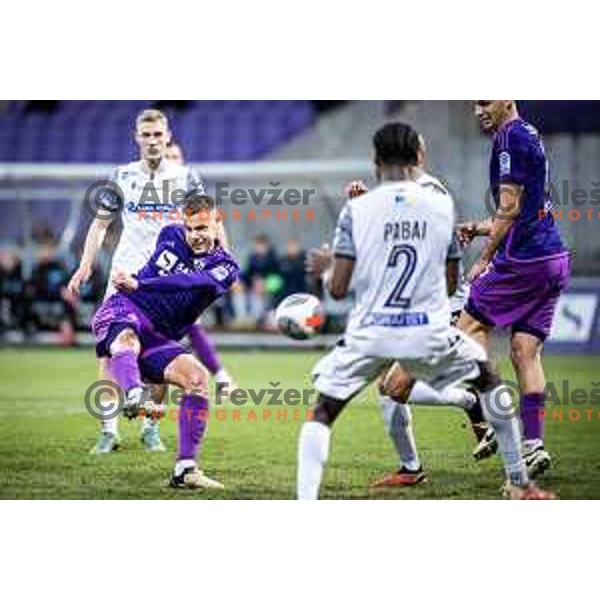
<point x="139" y="326"/>
<point x="523" y="268"/>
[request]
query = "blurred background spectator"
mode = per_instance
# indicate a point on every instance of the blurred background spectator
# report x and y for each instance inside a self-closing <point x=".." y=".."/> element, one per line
<point x="293" y="270"/>
<point x="262" y="280"/>
<point x="13" y="314"/>
<point x="52" y="307"/>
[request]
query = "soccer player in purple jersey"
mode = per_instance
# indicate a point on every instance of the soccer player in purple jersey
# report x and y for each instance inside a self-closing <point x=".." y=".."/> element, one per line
<point x="523" y="268"/>
<point x="138" y="236"/>
<point x="139" y="326"/>
<point x="202" y="345"/>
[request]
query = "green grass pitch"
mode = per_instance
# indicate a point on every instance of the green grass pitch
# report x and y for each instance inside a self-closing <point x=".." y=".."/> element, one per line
<point x="46" y="433"/>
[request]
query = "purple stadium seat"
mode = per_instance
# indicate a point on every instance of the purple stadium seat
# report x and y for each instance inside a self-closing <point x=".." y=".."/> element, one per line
<point x="100" y="130"/>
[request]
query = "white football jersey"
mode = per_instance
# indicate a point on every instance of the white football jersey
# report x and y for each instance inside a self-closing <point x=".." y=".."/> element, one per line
<point x="147" y="207"/>
<point x="398" y="234"/>
<point x="459" y="298"/>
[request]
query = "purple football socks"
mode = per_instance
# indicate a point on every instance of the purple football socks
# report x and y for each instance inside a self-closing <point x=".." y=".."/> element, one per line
<point x="193" y="416"/>
<point x="532" y="416"/>
<point x="125" y="369"/>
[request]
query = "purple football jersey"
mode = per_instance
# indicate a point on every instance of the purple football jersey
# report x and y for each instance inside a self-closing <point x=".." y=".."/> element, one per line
<point x="176" y="285"/>
<point x="518" y="157"/>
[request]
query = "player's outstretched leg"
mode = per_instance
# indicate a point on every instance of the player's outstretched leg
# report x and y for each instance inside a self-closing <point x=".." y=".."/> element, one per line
<point x="313" y="446"/>
<point x="484" y="434"/>
<point x="206" y="351"/>
<point x="123" y="364"/>
<point x="498" y="411"/>
<point x="187" y="373"/>
<point x="398" y="423"/>
<point x="527" y="362"/>
<point x="124" y="369"/>
<point x="124" y="352"/>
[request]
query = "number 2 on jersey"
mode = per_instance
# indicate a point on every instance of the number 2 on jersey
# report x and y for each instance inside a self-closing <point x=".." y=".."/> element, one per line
<point x="408" y="254"/>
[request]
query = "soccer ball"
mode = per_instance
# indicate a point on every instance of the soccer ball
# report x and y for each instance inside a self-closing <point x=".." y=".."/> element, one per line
<point x="300" y="316"/>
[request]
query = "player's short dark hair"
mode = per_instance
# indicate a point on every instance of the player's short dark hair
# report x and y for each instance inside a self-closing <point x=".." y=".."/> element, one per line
<point x="195" y="203"/>
<point x="396" y="144"/>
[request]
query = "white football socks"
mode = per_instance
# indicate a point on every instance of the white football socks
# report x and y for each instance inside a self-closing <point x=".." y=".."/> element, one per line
<point x="181" y="465"/>
<point x="110" y="426"/>
<point x="422" y="393"/>
<point x="222" y="376"/>
<point x="499" y="413"/>
<point x="313" y="452"/>
<point x="147" y="423"/>
<point x="398" y="422"/>
<point x="533" y="444"/>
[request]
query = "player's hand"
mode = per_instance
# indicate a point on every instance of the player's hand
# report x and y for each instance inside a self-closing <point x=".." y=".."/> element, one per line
<point x="480" y="267"/>
<point x="67" y="295"/>
<point x="355" y="188"/>
<point x="124" y="282"/>
<point x="466" y="232"/>
<point x="83" y="273"/>
<point x="318" y="260"/>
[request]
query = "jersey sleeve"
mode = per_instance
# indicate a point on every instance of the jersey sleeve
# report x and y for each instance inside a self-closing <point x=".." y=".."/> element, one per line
<point x="343" y="241"/>
<point x="513" y="154"/>
<point x="216" y="280"/>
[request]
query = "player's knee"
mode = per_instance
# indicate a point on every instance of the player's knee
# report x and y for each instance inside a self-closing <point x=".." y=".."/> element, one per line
<point x="523" y="352"/>
<point x="396" y="383"/>
<point x="126" y="340"/>
<point x="327" y="410"/>
<point x="196" y="381"/>
<point x="488" y="378"/>
<point x="196" y="385"/>
<point x="468" y="324"/>
<point x="158" y="392"/>
<point x="473" y="328"/>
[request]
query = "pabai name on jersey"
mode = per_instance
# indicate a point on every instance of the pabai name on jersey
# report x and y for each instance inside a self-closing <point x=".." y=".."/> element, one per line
<point x="404" y="230"/>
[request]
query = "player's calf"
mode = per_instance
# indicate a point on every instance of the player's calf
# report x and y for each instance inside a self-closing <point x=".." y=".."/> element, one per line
<point x="124" y="352"/>
<point x="396" y="383"/>
<point x="499" y="411"/>
<point x="397" y="419"/>
<point x="313" y="446"/>
<point x="526" y="358"/>
<point x="186" y="372"/>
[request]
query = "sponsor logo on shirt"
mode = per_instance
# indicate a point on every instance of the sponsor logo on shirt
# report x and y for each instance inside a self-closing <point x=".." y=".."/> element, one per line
<point x="504" y="163"/>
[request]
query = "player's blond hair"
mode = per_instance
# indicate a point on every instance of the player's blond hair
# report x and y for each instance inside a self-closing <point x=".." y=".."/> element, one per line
<point x="151" y="115"/>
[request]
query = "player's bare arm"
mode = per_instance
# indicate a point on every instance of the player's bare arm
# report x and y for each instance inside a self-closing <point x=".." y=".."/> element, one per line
<point x="508" y="210"/>
<point x="452" y="275"/>
<point x="338" y="283"/>
<point x="335" y="271"/>
<point x="93" y="242"/>
<point x="469" y="230"/>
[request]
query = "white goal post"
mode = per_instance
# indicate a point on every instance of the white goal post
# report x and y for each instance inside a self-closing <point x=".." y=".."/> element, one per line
<point x="23" y="182"/>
